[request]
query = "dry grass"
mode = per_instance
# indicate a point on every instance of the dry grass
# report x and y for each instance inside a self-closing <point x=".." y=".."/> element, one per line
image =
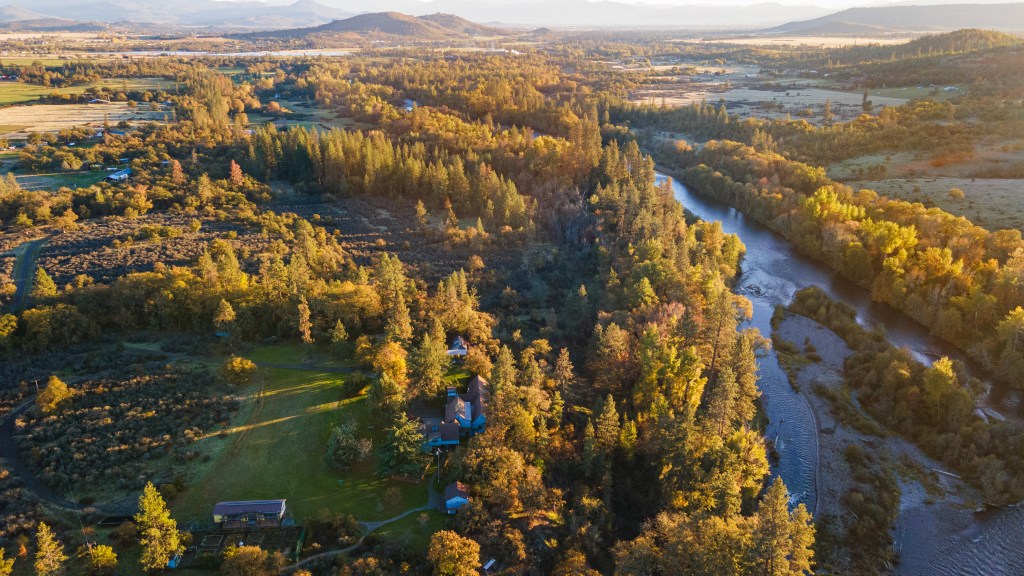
<point x="56" y="117"/>
<point x="992" y="203"/>
<point x="821" y="41"/>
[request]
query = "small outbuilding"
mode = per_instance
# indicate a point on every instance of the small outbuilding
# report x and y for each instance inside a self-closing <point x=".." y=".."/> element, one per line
<point x="456" y="495"/>
<point x="459" y="348"/>
<point x="120" y="175"/>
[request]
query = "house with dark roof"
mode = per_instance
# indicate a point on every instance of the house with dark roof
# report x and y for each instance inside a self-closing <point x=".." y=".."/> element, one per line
<point x="250" y="513"/>
<point x="439" y="433"/>
<point x="468" y="409"/>
<point x="456" y="495"/>
<point x="464" y="415"/>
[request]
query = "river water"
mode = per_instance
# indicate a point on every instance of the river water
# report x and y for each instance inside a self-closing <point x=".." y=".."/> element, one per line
<point x="773" y="271"/>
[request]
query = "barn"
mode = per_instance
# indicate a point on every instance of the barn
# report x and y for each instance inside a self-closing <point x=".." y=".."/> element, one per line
<point x="248" y="513"/>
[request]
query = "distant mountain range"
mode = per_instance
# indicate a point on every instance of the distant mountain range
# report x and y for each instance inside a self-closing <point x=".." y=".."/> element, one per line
<point x="275" y="14"/>
<point x="431" y="27"/>
<point x="287" y="15"/>
<point x="31" y="14"/>
<point x="936" y="18"/>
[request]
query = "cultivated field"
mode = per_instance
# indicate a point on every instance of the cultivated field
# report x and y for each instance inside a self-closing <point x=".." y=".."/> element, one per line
<point x="19" y="121"/>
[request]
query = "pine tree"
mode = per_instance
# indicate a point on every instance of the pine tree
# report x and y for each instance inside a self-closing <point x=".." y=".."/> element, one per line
<point x="43" y="286"/>
<point x="225" y="316"/>
<point x="338" y="334"/>
<point x="606" y="430"/>
<point x="237" y="177"/>
<point x="158" y="532"/>
<point x="429" y="362"/>
<point x="782" y="540"/>
<point x="177" y="174"/>
<point x="304" y="324"/>
<point x="401" y="453"/>
<point x="50" y="555"/>
<point x="421" y="214"/>
<point x="399" y="324"/>
<point x="6" y="565"/>
<point x="564" y="373"/>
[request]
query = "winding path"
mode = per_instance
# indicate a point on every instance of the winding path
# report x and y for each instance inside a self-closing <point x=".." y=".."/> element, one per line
<point x="370" y="528"/>
<point x="24" y="270"/>
<point x="434" y="501"/>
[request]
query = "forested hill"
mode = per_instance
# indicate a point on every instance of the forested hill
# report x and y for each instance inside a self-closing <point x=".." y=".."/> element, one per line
<point x="916" y="18"/>
<point x="433" y="27"/>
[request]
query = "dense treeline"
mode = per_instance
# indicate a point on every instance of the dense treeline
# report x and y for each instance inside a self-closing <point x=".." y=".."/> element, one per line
<point x="931" y="406"/>
<point x="957" y="278"/>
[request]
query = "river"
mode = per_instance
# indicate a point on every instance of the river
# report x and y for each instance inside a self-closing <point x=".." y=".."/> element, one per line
<point x="773" y="271"/>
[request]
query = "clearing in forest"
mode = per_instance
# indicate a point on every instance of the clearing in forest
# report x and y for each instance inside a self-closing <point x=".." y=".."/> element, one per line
<point x="276" y="450"/>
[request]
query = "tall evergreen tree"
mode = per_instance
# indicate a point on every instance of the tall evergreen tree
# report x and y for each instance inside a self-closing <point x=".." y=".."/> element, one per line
<point x="50" y="555"/>
<point x="158" y="532"/>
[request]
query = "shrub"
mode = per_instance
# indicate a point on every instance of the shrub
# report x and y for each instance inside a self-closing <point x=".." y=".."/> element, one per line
<point x="238" y="371"/>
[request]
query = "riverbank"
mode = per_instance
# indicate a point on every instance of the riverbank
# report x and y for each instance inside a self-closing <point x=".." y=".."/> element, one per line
<point x="933" y="503"/>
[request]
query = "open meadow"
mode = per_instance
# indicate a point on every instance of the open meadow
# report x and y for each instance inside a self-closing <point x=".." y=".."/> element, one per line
<point x="18" y="92"/>
<point x="19" y="121"/>
<point x="277" y="450"/>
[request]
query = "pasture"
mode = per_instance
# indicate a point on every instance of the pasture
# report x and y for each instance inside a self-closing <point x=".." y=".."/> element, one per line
<point x="276" y="450"/>
<point x="20" y="92"/>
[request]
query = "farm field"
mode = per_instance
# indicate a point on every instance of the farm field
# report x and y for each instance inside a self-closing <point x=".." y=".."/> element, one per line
<point x="820" y="41"/>
<point x="277" y="453"/>
<point x="59" y="180"/>
<point x="19" y="121"/>
<point x="18" y="92"/>
<point x="751" y="101"/>
<point x="994" y="204"/>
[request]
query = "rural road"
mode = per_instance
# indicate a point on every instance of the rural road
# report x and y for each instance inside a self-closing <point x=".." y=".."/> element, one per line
<point x="24" y="270"/>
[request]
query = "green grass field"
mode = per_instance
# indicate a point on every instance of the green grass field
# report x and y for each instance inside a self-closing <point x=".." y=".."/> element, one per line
<point x="18" y="92"/>
<point x="59" y="180"/>
<point x="415" y="530"/>
<point x="277" y="453"/>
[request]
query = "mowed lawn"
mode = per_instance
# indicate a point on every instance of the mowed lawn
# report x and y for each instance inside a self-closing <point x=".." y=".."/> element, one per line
<point x="278" y="453"/>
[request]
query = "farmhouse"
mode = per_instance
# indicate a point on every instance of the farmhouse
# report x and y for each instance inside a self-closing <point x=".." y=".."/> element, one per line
<point x="464" y="415"/>
<point x="467" y="409"/>
<point x="456" y="495"/>
<point x="249" y="513"/>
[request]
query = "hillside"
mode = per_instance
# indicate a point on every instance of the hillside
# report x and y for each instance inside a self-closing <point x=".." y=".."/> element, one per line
<point x="1007" y="17"/>
<point x="212" y="13"/>
<point x="458" y="24"/>
<point x="393" y="24"/>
